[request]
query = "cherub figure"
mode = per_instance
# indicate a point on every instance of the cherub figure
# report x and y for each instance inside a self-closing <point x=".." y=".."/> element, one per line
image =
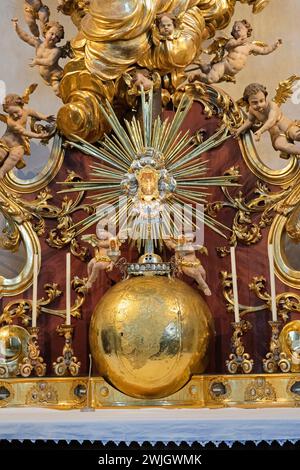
<point x="47" y="53"/>
<point x="14" y="144"/>
<point x="106" y="253"/>
<point x="267" y="113"/>
<point x="35" y="10"/>
<point x="231" y="55"/>
<point x="187" y="261"/>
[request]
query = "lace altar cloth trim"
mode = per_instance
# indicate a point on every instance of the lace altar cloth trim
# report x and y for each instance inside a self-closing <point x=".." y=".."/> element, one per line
<point x="153" y="425"/>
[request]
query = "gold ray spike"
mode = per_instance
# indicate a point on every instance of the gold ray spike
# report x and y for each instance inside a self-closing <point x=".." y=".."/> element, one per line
<point x="207" y="220"/>
<point x="85" y="186"/>
<point x="107" y="198"/>
<point x="196" y="169"/>
<point x="105" y="175"/>
<point x="114" y="140"/>
<point x="99" y="154"/>
<point x="132" y="131"/>
<point x="147" y="108"/>
<point x="117" y="128"/>
<point x="156" y="132"/>
<point x="178" y="146"/>
<point x="104" y="172"/>
<point x="111" y="150"/>
<point x="181" y="113"/>
<point x="184" y="153"/>
<point x="198" y="150"/>
<point x="162" y="133"/>
<point x="140" y="133"/>
<point x="199" y="195"/>
<point x="114" y="148"/>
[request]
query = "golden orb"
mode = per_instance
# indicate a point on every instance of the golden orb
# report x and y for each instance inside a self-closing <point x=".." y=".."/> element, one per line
<point x="148" y="335"/>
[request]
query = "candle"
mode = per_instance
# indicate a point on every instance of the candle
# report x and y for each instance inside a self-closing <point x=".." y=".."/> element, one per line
<point x="34" y="293"/>
<point x="68" y="289"/>
<point x="272" y="282"/>
<point x="234" y="285"/>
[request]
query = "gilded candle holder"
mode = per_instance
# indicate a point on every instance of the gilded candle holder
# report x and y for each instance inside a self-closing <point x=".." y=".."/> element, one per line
<point x="33" y="362"/>
<point x="276" y="359"/>
<point x="67" y="364"/>
<point x="239" y="359"/>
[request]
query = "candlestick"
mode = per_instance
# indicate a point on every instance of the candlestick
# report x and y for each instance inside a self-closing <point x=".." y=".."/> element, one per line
<point x="234" y="286"/>
<point x="67" y="363"/>
<point x="68" y="289"/>
<point x="34" y="291"/>
<point x="272" y="282"/>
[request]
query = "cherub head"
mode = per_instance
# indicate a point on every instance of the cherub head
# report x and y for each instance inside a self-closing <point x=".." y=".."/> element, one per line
<point x="53" y="32"/>
<point x="165" y="24"/>
<point x="255" y="96"/>
<point x="241" y="29"/>
<point x="13" y="105"/>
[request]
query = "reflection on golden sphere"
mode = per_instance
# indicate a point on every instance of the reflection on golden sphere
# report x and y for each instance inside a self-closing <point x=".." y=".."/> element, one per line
<point x="290" y="343"/>
<point x="149" y="334"/>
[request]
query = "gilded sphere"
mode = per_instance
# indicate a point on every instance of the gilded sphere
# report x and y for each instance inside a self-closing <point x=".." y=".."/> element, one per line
<point x="148" y="335"/>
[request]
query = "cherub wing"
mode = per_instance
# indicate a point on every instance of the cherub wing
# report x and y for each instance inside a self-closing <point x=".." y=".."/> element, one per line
<point x="217" y="47"/>
<point x="285" y="90"/>
<point x="3" y="118"/>
<point x="28" y="92"/>
<point x="67" y="51"/>
<point x="259" y="44"/>
<point x="91" y="239"/>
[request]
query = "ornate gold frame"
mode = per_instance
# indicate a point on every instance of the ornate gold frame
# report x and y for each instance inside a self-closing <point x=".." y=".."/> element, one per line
<point x="283" y="177"/>
<point x="50" y="170"/>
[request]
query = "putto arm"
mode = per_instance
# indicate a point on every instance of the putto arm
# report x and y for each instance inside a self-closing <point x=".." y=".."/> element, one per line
<point x="28" y="38"/>
<point x="259" y="49"/>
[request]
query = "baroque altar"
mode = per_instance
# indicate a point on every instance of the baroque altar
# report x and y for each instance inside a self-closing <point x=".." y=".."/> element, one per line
<point x="181" y="281"/>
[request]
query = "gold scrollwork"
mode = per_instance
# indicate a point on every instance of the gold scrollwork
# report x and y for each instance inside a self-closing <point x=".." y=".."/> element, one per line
<point x="79" y="286"/>
<point x="244" y="230"/>
<point x="260" y="390"/>
<point x="40" y="209"/>
<point x="287" y="302"/>
<point x="215" y="102"/>
<point x="22" y="308"/>
<point x="42" y="394"/>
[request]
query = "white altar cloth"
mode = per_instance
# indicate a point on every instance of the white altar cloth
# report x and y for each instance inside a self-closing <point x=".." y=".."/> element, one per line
<point x="153" y="425"/>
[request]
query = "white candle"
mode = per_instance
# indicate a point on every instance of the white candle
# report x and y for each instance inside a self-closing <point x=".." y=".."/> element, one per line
<point x="272" y="282"/>
<point x="34" y="291"/>
<point x="234" y="286"/>
<point x="68" y="289"/>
